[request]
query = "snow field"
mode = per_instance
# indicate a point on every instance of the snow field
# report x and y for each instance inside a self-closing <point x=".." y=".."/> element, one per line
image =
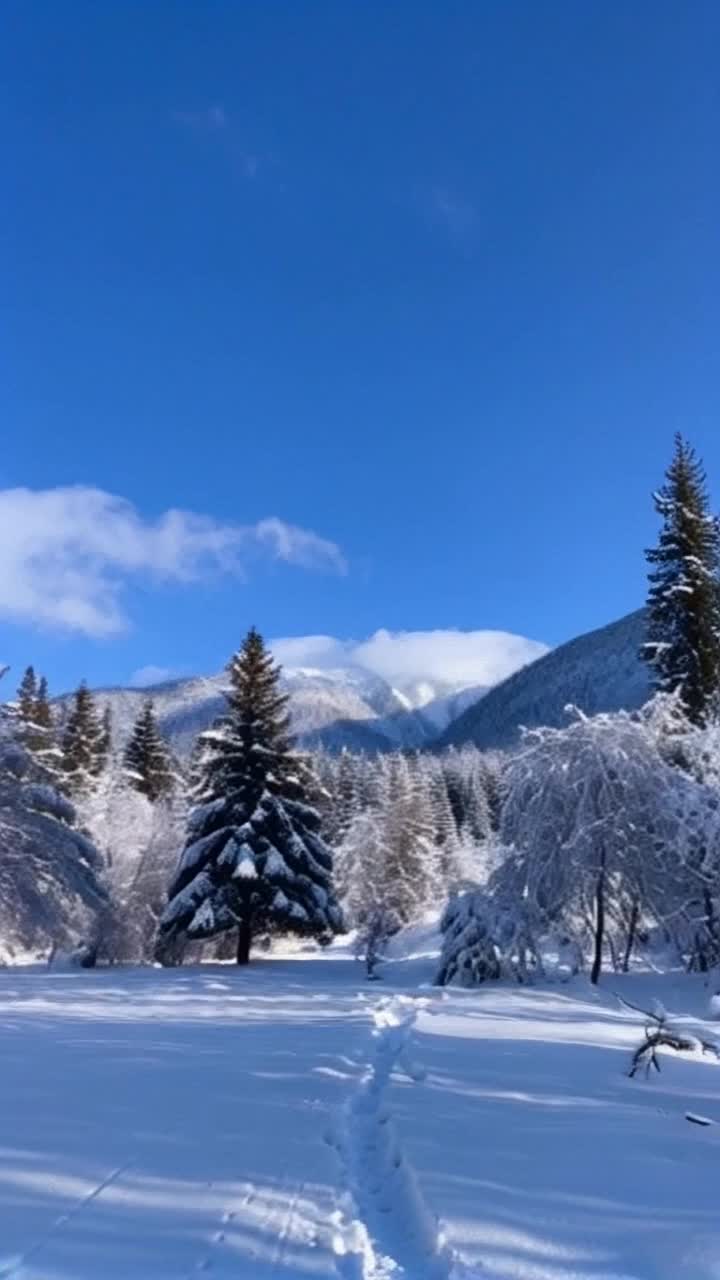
<point x="272" y="1125"/>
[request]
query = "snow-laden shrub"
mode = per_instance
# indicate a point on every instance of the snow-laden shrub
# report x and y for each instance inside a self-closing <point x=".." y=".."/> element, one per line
<point x="486" y="937"/>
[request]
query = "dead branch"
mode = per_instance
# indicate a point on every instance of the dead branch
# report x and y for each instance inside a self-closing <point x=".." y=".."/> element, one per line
<point x="660" y="1034"/>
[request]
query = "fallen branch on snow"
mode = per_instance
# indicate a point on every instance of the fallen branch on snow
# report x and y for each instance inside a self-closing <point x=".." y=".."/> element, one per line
<point x="660" y="1034"/>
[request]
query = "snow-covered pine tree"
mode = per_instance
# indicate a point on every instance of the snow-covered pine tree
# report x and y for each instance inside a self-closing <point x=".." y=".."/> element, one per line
<point x="445" y="826"/>
<point x="487" y="937"/>
<point x="411" y="868"/>
<point x="361" y="863"/>
<point x="83" y="744"/>
<point x="147" y="757"/>
<point x="346" y="800"/>
<point x="52" y="888"/>
<point x="254" y="857"/>
<point x="34" y="719"/>
<point x="683" y="634"/>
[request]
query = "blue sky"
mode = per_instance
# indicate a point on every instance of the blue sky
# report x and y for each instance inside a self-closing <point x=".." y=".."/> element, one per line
<point x="433" y="284"/>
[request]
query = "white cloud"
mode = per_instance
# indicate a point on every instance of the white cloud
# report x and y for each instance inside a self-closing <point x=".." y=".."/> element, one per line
<point x="311" y="651"/>
<point x="149" y="675"/>
<point x="460" y="658"/>
<point x="298" y="546"/>
<point x="67" y="553"/>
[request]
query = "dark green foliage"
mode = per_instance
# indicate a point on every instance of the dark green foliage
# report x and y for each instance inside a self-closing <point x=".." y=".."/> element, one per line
<point x="254" y="857"/>
<point x="84" y="746"/>
<point x="147" y="757"/>
<point x="683" y="636"/>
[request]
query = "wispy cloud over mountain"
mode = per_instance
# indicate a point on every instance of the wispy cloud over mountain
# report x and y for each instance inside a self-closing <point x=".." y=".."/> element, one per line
<point x="69" y="552"/>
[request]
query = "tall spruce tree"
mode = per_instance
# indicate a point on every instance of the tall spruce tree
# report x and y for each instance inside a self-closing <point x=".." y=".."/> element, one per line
<point x="683" y="633"/>
<point x="254" y="858"/>
<point x="83" y="744"/>
<point x="147" y="758"/>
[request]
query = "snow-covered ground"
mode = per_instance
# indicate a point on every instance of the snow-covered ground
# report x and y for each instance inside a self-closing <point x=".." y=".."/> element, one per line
<point x="292" y="1122"/>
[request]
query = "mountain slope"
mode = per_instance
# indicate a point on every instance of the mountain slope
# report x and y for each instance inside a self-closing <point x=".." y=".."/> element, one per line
<point x="331" y="708"/>
<point x="599" y="671"/>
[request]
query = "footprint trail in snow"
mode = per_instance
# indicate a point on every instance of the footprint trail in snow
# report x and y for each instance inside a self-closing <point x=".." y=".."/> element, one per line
<point x="388" y="1232"/>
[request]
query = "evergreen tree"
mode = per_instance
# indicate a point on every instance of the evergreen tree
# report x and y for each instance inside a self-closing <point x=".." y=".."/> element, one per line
<point x="34" y="720"/>
<point x="43" y="711"/>
<point x="683" y="644"/>
<point x="411" y="869"/>
<point x="254" y="858"/>
<point x="27" y="696"/>
<point x="104" y="747"/>
<point x="83" y="751"/>
<point x="147" y="757"/>
<point x="52" y="887"/>
<point x="344" y="795"/>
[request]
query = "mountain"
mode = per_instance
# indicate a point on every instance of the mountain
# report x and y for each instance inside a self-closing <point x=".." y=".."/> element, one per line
<point x="329" y="707"/>
<point x="349" y="705"/>
<point x="599" y="671"/>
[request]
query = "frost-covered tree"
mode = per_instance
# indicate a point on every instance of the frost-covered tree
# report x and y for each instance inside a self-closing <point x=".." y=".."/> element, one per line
<point x="683" y="633"/>
<point x="412" y="874"/>
<point x="84" y="745"/>
<point x="607" y="833"/>
<point x="362" y="862"/>
<point x="147" y="757"/>
<point x="138" y="840"/>
<point x="407" y="828"/>
<point x="52" y="889"/>
<point x="254" y="858"/>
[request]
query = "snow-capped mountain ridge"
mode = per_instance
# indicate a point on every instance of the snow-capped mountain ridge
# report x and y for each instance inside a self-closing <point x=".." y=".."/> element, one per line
<point x="332" y="708"/>
<point x="351" y="706"/>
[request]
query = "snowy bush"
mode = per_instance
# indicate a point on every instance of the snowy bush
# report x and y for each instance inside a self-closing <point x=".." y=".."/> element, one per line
<point x="486" y="938"/>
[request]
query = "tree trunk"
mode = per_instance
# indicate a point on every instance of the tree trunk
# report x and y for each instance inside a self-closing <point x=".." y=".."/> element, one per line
<point x="632" y="930"/>
<point x="243" y="942"/>
<point x="599" y="924"/>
